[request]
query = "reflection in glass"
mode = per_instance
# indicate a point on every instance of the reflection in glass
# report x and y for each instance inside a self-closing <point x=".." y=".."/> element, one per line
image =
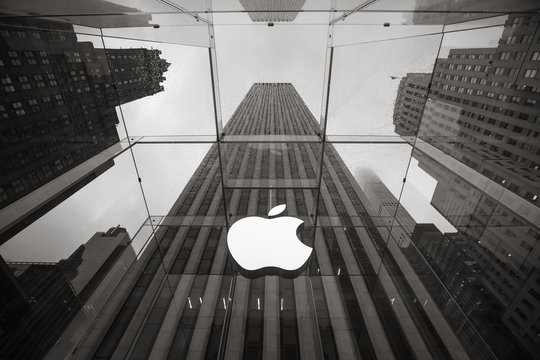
<point x="58" y="110"/>
<point x="422" y="212"/>
<point x="477" y="139"/>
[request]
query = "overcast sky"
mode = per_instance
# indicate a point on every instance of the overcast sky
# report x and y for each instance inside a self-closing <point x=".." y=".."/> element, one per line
<point x="361" y="103"/>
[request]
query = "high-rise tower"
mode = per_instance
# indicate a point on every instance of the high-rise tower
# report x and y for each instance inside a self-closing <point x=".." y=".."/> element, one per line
<point x="360" y="297"/>
<point x="57" y="111"/>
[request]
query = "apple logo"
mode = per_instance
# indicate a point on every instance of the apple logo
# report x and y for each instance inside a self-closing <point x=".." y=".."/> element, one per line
<point x="271" y="246"/>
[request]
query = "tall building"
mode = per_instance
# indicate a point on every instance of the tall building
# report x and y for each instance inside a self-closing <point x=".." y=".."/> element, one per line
<point x="501" y="241"/>
<point x="387" y="206"/>
<point x="272" y="10"/>
<point x="410" y="102"/>
<point x="58" y="100"/>
<point x="360" y="297"/>
<point x="478" y="138"/>
<point x="483" y="107"/>
<point x="448" y="256"/>
<point x="39" y="301"/>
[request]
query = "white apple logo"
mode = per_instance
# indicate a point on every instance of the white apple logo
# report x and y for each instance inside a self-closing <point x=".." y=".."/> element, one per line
<point x="262" y="246"/>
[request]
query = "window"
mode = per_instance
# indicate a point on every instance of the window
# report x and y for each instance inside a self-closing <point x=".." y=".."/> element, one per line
<point x="535" y="55"/>
<point x="511" y="39"/>
<point x="526" y="39"/>
<point x="18" y="186"/>
<point x="530" y="73"/>
<point x="515" y="99"/>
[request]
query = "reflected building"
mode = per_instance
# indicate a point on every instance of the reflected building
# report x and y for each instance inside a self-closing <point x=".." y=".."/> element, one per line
<point x="483" y="107"/>
<point x="502" y="242"/>
<point x="410" y="102"/>
<point x="362" y="295"/>
<point x="387" y="206"/>
<point x="41" y="300"/>
<point x="478" y="138"/>
<point x="429" y="12"/>
<point x="58" y="103"/>
<point x="448" y="256"/>
<point x="272" y="10"/>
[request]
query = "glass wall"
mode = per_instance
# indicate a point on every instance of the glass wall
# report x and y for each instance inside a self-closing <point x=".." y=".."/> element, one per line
<point x="402" y="134"/>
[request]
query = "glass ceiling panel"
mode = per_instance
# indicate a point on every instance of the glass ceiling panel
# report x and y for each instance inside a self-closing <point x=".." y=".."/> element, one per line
<point x="179" y="29"/>
<point x="247" y="55"/>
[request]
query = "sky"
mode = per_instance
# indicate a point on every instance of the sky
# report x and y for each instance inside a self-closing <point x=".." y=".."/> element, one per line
<point x="361" y="103"/>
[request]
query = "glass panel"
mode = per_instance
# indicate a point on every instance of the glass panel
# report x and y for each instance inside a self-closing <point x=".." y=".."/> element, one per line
<point x="361" y="97"/>
<point x="165" y="170"/>
<point x="147" y="77"/>
<point x="277" y="165"/>
<point x="469" y="164"/>
<point x="181" y="29"/>
<point x="59" y="264"/>
<point x="368" y="179"/>
<point x="59" y="124"/>
<point x="303" y="49"/>
<point x="429" y="256"/>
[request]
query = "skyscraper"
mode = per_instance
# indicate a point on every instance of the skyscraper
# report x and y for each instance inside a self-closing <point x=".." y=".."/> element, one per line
<point x="387" y="206"/>
<point x="483" y="107"/>
<point x="478" y="138"/>
<point x="58" y="107"/>
<point x="272" y="10"/>
<point x="502" y="239"/>
<point x="359" y="296"/>
<point x="410" y="101"/>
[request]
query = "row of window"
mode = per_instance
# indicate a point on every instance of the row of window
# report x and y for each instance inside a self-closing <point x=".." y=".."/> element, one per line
<point x="519" y="39"/>
<point x="488" y="94"/>
<point x="20" y="34"/>
<point x="470" y="56"/>
<point x="466" y="67"/>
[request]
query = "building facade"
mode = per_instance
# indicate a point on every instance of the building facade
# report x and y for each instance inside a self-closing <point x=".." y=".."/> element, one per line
<point x="410" y="102"/>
